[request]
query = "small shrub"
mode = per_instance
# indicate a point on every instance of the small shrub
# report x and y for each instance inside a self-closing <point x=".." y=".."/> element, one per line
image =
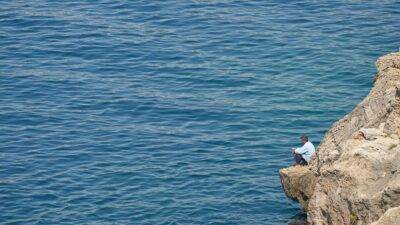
<point x="353" y="218"/>
<point x="392" y="146"/>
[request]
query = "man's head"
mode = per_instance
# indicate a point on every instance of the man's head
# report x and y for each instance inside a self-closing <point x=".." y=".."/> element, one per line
<point x="303" y="139"/>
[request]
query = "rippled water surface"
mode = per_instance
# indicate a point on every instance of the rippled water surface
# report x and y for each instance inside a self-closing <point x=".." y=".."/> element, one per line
<point x="173" y="112"/>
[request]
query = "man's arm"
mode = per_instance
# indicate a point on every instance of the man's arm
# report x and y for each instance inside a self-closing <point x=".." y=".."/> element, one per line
<point x="300" y="150"/>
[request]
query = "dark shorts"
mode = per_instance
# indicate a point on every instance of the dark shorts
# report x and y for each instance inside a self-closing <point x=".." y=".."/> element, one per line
<point x="300" y="160"/>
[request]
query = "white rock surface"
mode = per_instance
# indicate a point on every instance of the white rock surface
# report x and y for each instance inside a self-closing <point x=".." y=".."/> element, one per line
<point x="390" y="217"/>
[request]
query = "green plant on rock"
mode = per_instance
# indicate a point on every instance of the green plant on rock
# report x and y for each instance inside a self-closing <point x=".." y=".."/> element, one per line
<point x="392" y="146"/>
<point x="353" y="218"/>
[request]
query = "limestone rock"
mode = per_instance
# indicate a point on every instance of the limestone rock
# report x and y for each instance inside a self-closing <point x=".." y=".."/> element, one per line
<point x="356" y="170"/>
<point x="300" y="177"/>
<point x="390" y="217"/>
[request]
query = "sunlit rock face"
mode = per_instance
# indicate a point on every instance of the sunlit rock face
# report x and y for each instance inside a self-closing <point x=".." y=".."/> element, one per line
<point x="355" y="176"/>
<point x="390" y="217"/>
<point x="298" y="182"/>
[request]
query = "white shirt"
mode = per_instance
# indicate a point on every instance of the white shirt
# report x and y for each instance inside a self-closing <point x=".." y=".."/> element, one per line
<point x="306" y="151"/>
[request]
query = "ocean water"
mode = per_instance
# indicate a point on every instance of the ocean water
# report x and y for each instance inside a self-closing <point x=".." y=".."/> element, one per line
<point x="173" y="112"/>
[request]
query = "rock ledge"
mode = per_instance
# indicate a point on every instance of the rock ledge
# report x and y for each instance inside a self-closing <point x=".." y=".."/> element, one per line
<point x="354" y="178"/>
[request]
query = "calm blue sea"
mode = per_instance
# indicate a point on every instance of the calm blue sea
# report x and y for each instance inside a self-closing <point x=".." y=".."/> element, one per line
<point x="173" y="112"/>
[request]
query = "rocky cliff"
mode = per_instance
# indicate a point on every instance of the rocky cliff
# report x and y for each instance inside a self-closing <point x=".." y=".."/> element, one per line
<point x="354" y="178"/>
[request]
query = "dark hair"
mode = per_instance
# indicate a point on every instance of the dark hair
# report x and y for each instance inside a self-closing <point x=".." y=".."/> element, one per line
<point x="304" y="137"/>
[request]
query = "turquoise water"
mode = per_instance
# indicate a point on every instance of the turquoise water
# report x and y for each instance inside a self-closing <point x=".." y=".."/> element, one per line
<point x="173" y="112"/>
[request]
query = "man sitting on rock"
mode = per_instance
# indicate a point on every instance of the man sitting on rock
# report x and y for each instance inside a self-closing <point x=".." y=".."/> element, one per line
<point x="303" y="154"/>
